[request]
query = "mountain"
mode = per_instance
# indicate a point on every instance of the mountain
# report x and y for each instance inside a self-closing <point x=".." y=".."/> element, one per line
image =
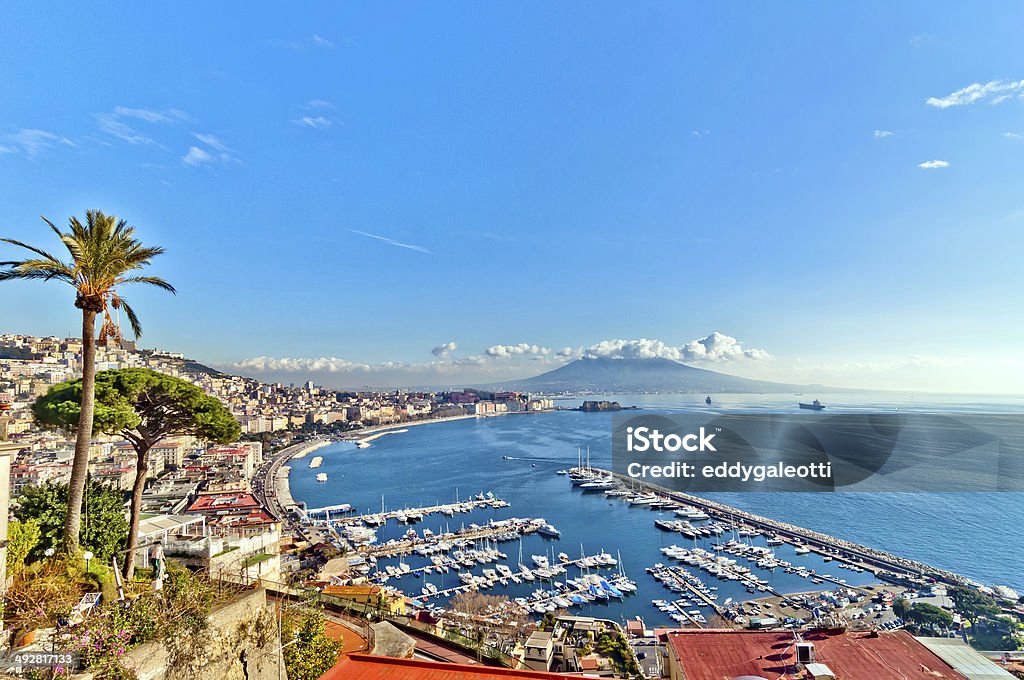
<point x="600" y="375"/>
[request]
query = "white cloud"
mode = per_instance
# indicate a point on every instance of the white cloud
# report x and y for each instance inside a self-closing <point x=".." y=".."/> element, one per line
<point x="319" y="104"/>
<point x="633" y="349"/>
<point x="197" y="156"/>
<point x="522" y="349"/>
<point x="933" y="165"/>
<point x="569" y="353"/>
<point x="31" y="142"/>
<point x="720" y="347"/>
<point x="320" y="41"/>
<point x="882" y="134"/>
<point x="289" y="365"/>
<point x="700" y="134"/>
<point x="444" y="350"/>
<point x="1014" y="135"/>
<point x="716" y="347"/>
<point x="391" y="241"/>
<point x="998" y="89"/>
<point x="315" y="122"/>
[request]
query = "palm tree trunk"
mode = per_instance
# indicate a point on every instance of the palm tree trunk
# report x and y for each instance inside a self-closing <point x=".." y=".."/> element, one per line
<point x="80" y="466"/>
<point x="141" y="468"/>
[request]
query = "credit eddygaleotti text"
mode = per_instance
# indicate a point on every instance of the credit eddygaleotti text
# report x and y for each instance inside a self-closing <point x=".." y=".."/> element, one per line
<point x="644" y="440"/>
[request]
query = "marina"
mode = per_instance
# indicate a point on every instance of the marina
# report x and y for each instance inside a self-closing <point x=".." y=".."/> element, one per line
<point x="514" y="457"/>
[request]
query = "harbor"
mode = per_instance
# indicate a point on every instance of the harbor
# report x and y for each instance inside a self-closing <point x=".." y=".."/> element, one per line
<point x="638" y="521"/>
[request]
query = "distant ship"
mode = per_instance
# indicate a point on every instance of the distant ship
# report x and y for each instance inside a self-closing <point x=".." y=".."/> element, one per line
<point x="707" y="399"/>
<point x="321" y="477"/>
<point x="813" y="406"/>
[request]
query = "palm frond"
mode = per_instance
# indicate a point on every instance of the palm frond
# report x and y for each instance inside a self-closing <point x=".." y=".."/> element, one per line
<point x="151" y="280"/>
<point x="133" y="319"/>
<point x="41" y="253"/>
<point x="36" y="269"/>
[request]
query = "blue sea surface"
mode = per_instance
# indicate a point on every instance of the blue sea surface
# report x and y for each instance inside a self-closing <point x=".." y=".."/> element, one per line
<point x="978" y="535"/>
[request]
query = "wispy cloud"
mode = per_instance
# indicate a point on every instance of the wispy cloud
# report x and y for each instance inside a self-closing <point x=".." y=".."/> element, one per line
<point x="1014" y="135"/>
<point x="211" y="141"/>
<point x="114" y="124"/>
<point x="391" y="241"/>
<point x="217" y="151"/>
<point x="919" y="41"/>
<point x="196" y="156"/>
<point x="882" y="134"/>
<point x="31" y="142"/>
<point x="315" y="41"/>
<point x="315" y="122"/>
<point x="998" y="90"/>
<point x="150" y="115"/>
<point x="318" y="104"/>
<point x="700" y="134"/>
<point x="933" y="165"/>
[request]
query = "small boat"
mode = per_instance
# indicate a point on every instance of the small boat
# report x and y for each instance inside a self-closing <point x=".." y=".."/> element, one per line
<point x="321" y="477"/>
<point x="707" y="399"/>
<point x="813" y="406"/>
<point x="549" y="530"/>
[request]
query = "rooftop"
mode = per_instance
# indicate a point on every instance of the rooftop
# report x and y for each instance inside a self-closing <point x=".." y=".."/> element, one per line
<point x="891" y="655"/>
<point x="962" y="657"/>
<point x="364" y="667"/>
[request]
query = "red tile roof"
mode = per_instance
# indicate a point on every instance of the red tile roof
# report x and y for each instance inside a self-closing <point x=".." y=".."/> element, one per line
<point x="234" y="502"/>
<point x="888" y="655"/>
<point x="366" y="667"/>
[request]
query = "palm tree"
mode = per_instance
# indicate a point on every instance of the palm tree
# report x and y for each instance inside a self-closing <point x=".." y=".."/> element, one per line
<point x="104" y="255"/>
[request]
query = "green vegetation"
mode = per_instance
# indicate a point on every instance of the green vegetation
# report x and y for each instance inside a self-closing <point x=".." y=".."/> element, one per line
<point x="104" y="256"/>
<point x="255" y="559"/>
<point x="22" y="537"/>
<point x="973" y="604"/>
<point x="103" y="532"/>
<point x="615" y="648"/>
<point x="144" y="407"/>
<point x="935" y="619"/>
<point x="308" y="652"/>
<point x="988" y="629"/>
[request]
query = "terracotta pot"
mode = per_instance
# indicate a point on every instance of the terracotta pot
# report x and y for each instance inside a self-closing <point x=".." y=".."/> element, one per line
<point x="26" y="638"/>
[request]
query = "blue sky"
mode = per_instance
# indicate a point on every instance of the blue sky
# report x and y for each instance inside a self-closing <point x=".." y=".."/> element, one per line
<point x="367" y="184"/>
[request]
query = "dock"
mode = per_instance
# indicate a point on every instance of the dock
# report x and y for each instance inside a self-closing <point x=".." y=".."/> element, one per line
<point x="883" y="565"/>
<point x="682" y="577"/>
<point x="378" y="518"/>
<point x="407" y="546"/>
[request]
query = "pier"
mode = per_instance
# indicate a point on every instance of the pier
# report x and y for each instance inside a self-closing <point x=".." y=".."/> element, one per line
<point x="883" y="565"/>
<point x="681" y="577"/>
<point x="513" y="528"/>
<point x="378" y="518"/>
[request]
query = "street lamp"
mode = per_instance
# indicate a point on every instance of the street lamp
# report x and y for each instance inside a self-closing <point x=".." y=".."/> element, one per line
<point x="88" y="556"/>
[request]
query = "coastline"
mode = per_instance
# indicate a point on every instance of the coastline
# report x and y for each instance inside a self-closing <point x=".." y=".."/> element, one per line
<point x="282" y="488"/>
